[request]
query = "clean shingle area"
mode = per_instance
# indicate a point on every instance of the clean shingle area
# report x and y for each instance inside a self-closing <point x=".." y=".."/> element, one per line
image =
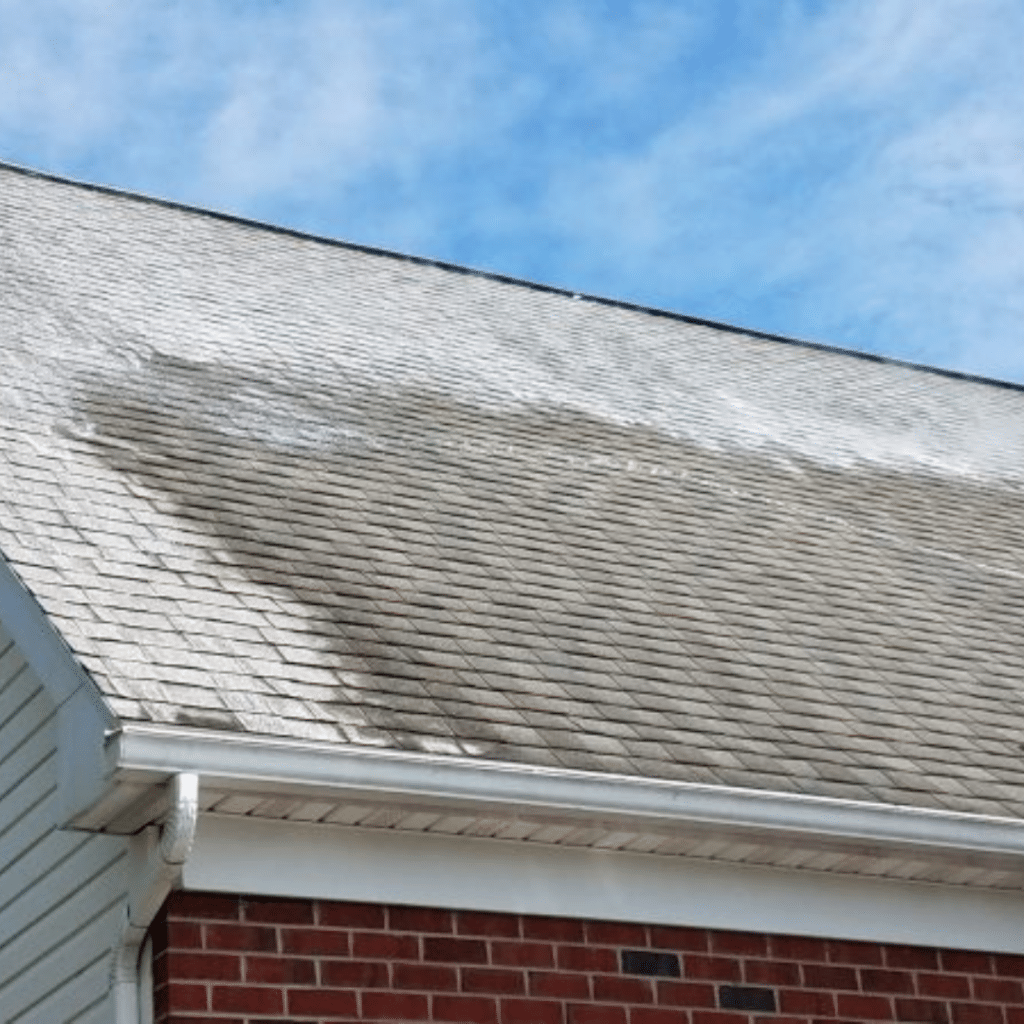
<point x="269" y="483"/>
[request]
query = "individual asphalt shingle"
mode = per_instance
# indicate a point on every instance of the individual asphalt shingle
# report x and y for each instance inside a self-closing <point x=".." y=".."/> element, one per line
<point x="270" y="483"/>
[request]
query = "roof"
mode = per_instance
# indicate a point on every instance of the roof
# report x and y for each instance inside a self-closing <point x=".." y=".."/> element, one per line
<point x="283" y="486"/>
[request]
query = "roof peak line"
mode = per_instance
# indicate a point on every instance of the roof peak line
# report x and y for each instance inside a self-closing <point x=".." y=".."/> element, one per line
<point x="509" y="279"/>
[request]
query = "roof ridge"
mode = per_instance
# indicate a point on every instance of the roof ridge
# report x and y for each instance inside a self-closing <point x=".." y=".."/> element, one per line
<point x="509" y="279"/>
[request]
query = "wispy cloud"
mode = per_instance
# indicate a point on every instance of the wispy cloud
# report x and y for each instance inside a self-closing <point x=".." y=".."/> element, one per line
<point x="346" y="91"/>
<point x="58" y="72"/>
<point x="850" y="171"/>
<point x="859" y="180"/>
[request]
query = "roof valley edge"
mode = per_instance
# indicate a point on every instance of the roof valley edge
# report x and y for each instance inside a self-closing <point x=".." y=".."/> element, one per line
<point x="270" y="485"/>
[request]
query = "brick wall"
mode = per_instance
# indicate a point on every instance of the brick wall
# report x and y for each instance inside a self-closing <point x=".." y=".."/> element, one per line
<point x="237" y="960"/>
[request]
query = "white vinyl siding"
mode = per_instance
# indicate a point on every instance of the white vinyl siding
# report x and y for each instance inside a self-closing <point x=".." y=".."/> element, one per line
<point x="61" y="892"/>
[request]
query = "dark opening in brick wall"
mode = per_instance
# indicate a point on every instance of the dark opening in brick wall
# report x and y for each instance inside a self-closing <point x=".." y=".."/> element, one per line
<point x="746" y="997"/>
<point x="643" y="961"/>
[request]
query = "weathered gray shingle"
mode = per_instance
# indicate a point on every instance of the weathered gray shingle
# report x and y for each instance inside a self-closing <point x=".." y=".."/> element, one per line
<point x="270" y="483"/>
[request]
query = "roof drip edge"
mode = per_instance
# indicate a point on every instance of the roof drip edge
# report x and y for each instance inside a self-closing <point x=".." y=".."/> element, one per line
<point x="148" y="753"/>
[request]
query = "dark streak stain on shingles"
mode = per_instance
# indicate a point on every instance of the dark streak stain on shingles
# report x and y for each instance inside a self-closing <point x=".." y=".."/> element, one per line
<point x="462" y="561"/>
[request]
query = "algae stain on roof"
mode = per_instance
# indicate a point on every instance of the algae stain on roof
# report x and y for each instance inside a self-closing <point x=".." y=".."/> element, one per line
<point x="521" y="585"/>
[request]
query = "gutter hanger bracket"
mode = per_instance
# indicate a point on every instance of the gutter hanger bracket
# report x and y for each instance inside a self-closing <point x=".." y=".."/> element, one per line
<point x="155" y="859"/>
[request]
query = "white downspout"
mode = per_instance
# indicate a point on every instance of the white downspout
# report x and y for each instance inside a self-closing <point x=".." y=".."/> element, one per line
<point x="155" y="859"/>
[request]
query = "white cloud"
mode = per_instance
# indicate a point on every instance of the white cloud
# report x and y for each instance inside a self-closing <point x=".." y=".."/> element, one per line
<point x="336" y="92"/>
<point x="57" y="77"/>
<point x="859" y="181"/>
<point x="845" y="171"/>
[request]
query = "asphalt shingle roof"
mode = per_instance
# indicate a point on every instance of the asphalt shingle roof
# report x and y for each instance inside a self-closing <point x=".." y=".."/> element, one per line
<point x="270" y="483"/>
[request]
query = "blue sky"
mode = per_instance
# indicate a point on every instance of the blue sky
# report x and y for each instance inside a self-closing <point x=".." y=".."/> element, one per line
<point x="849" y="171"/>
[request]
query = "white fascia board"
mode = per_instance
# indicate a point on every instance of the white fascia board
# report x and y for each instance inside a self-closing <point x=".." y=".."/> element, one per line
<point x="83" y="718"/>
<point x="242" y="763"/>
<point x="235" y="854"/>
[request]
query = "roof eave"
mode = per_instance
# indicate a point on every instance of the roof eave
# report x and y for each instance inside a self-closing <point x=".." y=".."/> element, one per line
<point x="141" y="757"/>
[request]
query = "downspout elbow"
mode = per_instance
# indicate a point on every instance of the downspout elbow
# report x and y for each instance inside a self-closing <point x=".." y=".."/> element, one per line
<point x="156" y="857"/>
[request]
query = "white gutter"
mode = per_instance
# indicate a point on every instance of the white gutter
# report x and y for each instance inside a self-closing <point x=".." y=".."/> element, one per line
<point x="155" y="861"/>
<point x="311" y="770"/>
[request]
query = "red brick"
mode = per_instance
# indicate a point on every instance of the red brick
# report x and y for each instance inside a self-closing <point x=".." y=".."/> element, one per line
<point x="531" y="1011"/>
<point x="239" y="999"/>
<point x="384" y="946"/>
<point x="468" y="1009"/>
<point x="455" y="951"/>
<point x="739" y="943"/>
<point x="419" y="919"/>
<point x="394" y="1006"/>
<point x="711" y="968"/>
<point x="498" y="925"/>
<point x="182" y="996"/>
<point x="586" y="958"/>
<point x="623" y="990"/>
<point x="928" y="1010"/>
<point x="687" y="940"/>
<point x="685" y="993"/>
<point x="522" y="954"/>
<point x="314" y="942"/>
<point x="612" y="933"/>
<point x="482" y="979"/>
<point x="248" y="938"/>
<point x="718" y="1017"/>
<point x="191" y="905"/>
<point x="431" y="977"/>
<point x="969" y="963"/>
<point x="279" y="970"/>
<point x="472" y="975"/>
<point x="792" y="947"/>
<point x="189" y="1019"/>
<point x="864" y="1007"/>
<point x="183" y="935"/>
<point x="1009" y="965"/>
<point x="321" y="1002"/>
<point x="817" y="976"/>
<point x="867" y="953"/>
<point x="976" y="1013"/>
<point x="771" y="972"/>
<point x="351" y="915"/>
<point x="558" y="929"/>
<point x="588" y="1013"/>
<point x="886" y="981"/>
<point x="160" y="974"/>
<point x="202" y="966"/>
<point x="810" y="1004"/>
<point x="355" y="973"/>
<point x="996" y="990"/>
<point x="275" y="911"/>
<point x="656" y="1015"/>
<point x="912" y="957"/>
<point x="559" y="986"/>
<point x="950" y="986"/>
<point x="160" y="1005"/>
